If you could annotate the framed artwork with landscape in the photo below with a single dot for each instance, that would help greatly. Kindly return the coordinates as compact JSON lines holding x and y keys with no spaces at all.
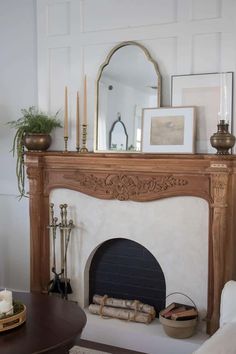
{"x":168,"y":130}
{"x":211,"y":94}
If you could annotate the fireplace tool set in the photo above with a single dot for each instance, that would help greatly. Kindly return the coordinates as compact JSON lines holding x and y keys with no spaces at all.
{"x":60,"y":282}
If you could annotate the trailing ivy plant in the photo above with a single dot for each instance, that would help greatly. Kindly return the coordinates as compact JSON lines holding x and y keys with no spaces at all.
{"x":33,"y":121}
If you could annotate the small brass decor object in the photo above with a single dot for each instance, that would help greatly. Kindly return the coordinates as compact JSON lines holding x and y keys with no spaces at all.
{"x":84,"y":138}
{"x":222,"y":140}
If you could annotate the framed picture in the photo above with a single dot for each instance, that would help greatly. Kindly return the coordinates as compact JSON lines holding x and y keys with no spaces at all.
{"x":211,"y":94}
{"x":168,"y":130}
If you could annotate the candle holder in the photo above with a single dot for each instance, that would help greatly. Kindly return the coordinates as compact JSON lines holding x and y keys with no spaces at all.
{"x":84,"y":138}
{"x":65,"y":143}
{"x":222,"y":140}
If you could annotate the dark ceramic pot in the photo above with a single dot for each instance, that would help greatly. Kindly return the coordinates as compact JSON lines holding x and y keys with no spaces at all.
{"x":38,"y":142}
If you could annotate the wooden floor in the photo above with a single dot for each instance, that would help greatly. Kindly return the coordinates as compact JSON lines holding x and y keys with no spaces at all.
{"x":105,"y":348}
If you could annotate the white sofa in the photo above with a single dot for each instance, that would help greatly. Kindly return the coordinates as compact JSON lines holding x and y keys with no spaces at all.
{"x":224,"y":340}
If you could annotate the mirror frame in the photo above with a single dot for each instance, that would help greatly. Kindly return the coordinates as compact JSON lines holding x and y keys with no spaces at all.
{"x":106,"y":62}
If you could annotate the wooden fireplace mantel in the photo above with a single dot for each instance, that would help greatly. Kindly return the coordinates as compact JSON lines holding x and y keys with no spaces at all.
{"x":138,"y":177}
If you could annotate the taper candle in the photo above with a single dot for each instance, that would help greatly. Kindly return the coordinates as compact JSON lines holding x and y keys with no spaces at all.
{"x":66,"y":114}
{"x":77,"y":121}
{"x":85,"y":100}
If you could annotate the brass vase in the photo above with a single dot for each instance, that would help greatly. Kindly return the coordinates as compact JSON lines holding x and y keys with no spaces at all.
{"x":37,"y":142}
{"x":222,"y":140}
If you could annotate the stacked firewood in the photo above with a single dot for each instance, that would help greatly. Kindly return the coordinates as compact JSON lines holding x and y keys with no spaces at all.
{"x":179,"y":312}
{"x":130,"y":310}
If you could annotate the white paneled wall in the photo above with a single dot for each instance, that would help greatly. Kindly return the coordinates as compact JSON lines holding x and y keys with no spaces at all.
{"x":18,"y":89}
{"x":75,"y":36}
{"x":183,"y":36}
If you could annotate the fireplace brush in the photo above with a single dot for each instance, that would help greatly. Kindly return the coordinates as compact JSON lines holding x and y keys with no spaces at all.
{"x":65,"y":231}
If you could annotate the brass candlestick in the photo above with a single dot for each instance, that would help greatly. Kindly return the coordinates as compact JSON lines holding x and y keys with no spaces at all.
{"x":65,"y":143}
{"x":222,"y":140}
{"x":84,"y":138}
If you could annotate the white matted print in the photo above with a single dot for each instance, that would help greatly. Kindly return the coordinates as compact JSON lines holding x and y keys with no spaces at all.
{"x":211,"y":94}
{"x":168,"y":130}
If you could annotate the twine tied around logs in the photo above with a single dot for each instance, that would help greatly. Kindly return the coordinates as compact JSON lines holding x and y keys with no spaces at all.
{"x":103,"y":303}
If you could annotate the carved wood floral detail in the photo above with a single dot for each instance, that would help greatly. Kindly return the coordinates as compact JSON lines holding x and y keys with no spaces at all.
{"x":219,"y":188}
{"x":125,"y":187}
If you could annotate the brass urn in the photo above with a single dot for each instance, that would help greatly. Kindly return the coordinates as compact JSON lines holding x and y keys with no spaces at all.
{"x":37,"y":142}
{"x":222,"y":140}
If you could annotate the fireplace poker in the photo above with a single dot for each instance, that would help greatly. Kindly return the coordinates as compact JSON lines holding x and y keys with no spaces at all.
{"x":65,"y":230}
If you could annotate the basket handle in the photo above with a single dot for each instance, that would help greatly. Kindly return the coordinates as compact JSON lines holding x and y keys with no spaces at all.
{"x":178,"y":293}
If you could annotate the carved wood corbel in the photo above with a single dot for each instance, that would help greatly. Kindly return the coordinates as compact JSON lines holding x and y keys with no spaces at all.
{"x":219,"y":189}
{"x":39,"y":240}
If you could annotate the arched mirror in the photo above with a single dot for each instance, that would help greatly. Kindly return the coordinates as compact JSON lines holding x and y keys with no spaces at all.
{"x":128,"y":81}
{"x":118,"y":137}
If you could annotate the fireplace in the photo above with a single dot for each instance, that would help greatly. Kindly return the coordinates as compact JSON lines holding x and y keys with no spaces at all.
{"x":129,"y":178}
{"x":159,"y":229}
{"x":124,"y":269}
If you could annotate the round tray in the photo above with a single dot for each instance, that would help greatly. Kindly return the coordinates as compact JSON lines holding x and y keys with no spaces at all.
{"x":15,"y":320}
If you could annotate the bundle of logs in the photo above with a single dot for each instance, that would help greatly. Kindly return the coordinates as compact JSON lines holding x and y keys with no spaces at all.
{"x":129,"y":310}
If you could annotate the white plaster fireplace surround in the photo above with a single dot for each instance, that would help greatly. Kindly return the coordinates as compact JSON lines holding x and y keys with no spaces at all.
{"x":174,"y":230}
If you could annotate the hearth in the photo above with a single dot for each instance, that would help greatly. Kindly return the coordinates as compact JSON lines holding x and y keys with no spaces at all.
{"x":124,"y":269}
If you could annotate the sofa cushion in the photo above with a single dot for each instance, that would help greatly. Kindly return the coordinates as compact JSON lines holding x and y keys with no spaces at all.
{"x":228,"y":303}
{"x":222,"y":342}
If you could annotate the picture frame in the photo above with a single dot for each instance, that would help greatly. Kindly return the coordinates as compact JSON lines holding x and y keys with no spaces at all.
{"x":168,"y":130}
{"x":212,"y":95}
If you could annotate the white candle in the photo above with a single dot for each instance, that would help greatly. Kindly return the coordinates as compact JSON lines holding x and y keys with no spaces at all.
{"x":6,"y":295}
{"x":66,"y":114}
{"x":5,"y":307}
{"x":77,"y":121}
{"x":85,"y":100}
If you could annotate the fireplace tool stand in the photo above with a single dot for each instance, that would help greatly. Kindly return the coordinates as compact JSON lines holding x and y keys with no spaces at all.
{"x":60,"y":283}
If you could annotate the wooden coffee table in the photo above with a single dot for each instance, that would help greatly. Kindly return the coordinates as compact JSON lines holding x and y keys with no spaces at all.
{"x":52,"y":326}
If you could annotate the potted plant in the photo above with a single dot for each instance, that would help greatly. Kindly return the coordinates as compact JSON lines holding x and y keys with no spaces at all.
{"x":33,"y":132}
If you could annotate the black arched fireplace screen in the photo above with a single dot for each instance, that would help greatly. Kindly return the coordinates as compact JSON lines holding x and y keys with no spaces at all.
{"x":124,"y":269}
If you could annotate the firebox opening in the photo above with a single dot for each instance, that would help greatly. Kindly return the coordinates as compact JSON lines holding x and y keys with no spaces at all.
{"x":124,"y":269}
